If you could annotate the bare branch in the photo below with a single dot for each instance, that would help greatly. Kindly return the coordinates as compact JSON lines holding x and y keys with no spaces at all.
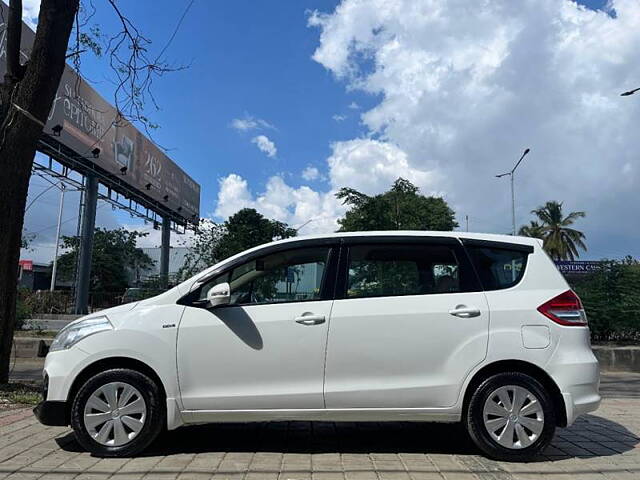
{"x":77,"y":52}
{"x":135,"y":71}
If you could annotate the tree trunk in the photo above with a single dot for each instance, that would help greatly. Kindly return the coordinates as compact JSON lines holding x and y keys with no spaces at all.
{"x":26,"y":102}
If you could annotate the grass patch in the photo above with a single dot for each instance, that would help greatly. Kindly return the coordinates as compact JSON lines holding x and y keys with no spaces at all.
{"x":19,"y":394}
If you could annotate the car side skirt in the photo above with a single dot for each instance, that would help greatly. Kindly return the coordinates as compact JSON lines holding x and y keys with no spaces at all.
{"x":330,"y":415}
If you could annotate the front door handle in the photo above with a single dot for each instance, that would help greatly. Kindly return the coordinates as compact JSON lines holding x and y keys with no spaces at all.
{"x":310,"y":319}
{"x":462,"y":311}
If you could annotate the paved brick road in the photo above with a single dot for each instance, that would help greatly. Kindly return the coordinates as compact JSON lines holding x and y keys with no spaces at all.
{"x":604,"y":446}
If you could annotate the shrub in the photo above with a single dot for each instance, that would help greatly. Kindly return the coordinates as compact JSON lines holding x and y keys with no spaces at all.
{"x":23,"y":308}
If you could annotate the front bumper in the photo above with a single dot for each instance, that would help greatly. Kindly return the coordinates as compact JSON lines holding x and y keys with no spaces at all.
{"x":52,"y":413}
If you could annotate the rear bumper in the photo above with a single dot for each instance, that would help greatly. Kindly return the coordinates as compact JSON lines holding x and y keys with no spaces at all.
{"x":580,"y":405}
{"x":579,"y":385}
{"x":575,"y":370}
{"x":52,"y":413}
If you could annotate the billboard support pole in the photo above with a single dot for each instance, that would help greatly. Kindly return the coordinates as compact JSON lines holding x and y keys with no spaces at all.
{"x":83,"y":279}
{"x":164,"y":251}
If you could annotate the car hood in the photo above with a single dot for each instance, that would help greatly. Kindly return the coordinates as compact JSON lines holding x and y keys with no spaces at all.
{"x":113,"y":313}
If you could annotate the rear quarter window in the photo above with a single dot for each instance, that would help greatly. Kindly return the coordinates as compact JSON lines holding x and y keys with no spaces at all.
{"x":498,"y":268}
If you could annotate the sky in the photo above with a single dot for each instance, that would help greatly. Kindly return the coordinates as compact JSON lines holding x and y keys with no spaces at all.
{"x":285,"y":102}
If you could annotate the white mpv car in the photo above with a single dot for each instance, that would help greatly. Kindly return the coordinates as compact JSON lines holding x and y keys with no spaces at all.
{"x":375,"y":326}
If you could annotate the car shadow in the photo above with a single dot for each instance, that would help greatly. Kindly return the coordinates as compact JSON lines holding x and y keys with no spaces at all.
{"x":241,"y":324}
{"x":379,"y":437}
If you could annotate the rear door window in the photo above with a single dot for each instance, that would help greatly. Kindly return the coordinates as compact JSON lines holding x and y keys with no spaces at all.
{"x":498,"y":268}
{"x":394,"y":270}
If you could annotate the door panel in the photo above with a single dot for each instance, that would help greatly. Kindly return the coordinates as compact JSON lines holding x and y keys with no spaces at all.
{"x":389,"y":347}
{"x":402,"y":352}
{"x":252,"y":357}
{"x":266,"y":349}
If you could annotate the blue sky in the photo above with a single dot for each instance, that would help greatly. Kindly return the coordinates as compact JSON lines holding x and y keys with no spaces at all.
{"x":247,"y":58}
{"x":255,"y":60}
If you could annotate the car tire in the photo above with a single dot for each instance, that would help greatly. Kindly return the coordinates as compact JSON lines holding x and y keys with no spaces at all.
{"x":118,"y":413}
{"x":511,"y":417}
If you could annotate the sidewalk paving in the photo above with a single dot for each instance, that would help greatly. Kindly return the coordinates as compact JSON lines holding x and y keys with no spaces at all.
{"x":604,"y":445}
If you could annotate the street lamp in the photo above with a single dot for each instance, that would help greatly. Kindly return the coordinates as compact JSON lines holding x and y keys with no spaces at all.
{"x":630,"y":92}
{"x":513,"y":196}
{"x":54,"y":268}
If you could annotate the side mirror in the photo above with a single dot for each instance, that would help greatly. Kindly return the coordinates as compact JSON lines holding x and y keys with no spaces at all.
{"x":219,"y":295}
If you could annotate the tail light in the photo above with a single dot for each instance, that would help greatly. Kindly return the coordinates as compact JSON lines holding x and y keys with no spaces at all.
{"x":565,"y":309}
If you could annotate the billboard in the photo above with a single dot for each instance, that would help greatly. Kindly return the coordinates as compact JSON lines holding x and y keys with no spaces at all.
{"x":89,"y":122}
{"x":578,"y":267}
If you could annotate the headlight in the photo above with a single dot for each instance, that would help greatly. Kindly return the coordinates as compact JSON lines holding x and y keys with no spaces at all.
{"x":72,"y":334}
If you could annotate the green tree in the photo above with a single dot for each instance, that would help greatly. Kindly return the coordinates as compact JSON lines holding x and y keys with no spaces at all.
{"x":611,"y":300}
{"x":560,"y":241}
{"x":114,"y":255}
{"x":203,"y":248}
{"x":400,"y":208}
{"x":534,"y":230}
{"x":245,"y":229}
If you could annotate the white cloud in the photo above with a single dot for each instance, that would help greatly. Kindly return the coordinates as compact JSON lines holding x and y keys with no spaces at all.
{"x":233,"y":195}
{"x":294,"y":206}
{"x":465,"y":86}
{"x":265,"y":145}
{"x":310,"y":173}
{"x":371,"y":166}
{"x":339,"y":118}
{"x":248,"y":122}
{"x":382,"y":162}
{"x":354,"y":106}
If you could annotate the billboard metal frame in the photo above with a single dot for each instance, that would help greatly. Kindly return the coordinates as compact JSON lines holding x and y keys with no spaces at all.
{"x":116,"y":189}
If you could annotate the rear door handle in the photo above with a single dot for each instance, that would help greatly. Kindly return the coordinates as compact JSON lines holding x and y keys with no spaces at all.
{"x":310,"y":319}
{"x":462,"y":311}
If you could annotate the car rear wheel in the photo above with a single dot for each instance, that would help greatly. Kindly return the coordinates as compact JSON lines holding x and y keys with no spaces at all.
{"x":511,"y":417}
{"x":118,"y":412}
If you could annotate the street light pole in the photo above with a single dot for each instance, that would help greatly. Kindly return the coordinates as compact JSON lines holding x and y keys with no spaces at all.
{"x":55,"y":255}
{"x":513,"y":194}
{"x":513,"y":207}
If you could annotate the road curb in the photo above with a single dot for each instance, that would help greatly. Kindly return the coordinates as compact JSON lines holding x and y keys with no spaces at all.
{"x":618,"y":358}
{"x":27,"y":347}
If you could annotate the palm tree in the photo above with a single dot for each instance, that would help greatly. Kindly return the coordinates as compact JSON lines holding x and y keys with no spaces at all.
{"x":534,"y":229}
{"x":559,"y":240}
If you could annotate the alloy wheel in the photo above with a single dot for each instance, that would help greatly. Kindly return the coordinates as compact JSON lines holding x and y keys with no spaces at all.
{"x":115,"y":414}
{"x":513,"y":417}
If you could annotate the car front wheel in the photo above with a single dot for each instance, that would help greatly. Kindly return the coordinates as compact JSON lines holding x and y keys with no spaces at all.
{"x":118,"y":412}
{"x":511,"y":417}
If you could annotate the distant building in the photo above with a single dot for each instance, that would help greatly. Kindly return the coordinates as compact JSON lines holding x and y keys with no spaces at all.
{"x":37,"y":276}
{"x":34,"y":276}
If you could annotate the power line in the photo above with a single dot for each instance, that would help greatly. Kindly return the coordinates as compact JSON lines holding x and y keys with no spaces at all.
{"x":175,"y":30}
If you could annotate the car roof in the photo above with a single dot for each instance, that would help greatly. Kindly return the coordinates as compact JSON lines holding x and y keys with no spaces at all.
{"x":417,"y":233}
